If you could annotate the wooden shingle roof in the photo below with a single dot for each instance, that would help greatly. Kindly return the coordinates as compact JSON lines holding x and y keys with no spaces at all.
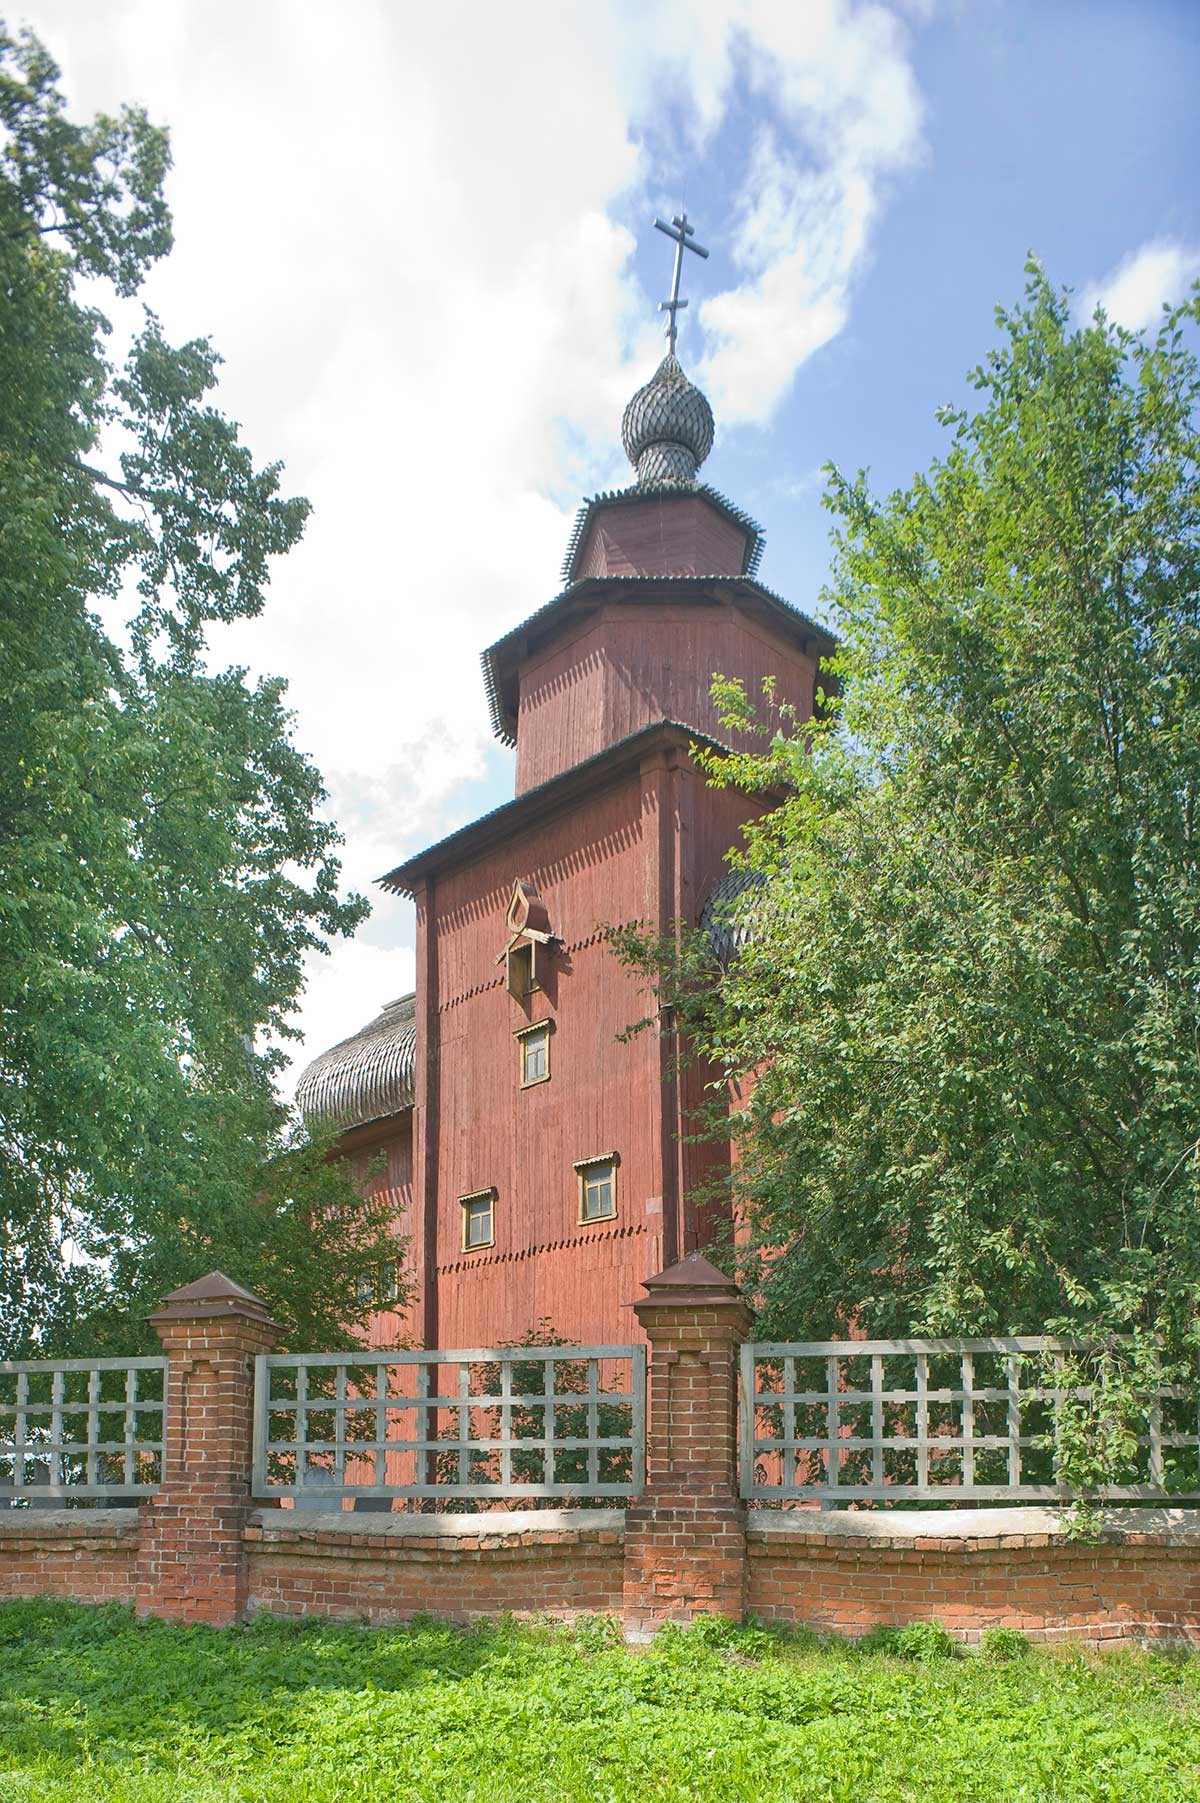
{"x":368,"y":1076}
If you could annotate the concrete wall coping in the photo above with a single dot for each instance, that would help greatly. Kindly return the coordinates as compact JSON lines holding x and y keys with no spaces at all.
{"x":902,"y":1527}
{"x":1174,"y":1527}
{"x":506,"y":1523}
{"x":25,"y":1524}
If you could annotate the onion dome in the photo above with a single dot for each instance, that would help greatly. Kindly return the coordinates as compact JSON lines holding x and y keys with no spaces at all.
{"x":667,"y":430}
{"x":727,"y":916}
{"x":368,"y":1076}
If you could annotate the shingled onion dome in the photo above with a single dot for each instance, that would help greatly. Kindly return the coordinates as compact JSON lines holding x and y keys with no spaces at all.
{"x":667,"y":430}
{"x":368,"y":1076}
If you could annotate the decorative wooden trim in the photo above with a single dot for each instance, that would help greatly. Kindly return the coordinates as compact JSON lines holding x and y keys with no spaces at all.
{"x":607,"y":1230}
{"x":488,"y":1195}
{"x":613,"y":1158}
{"x":582,"y":1167}
{"x":521,"y":1034}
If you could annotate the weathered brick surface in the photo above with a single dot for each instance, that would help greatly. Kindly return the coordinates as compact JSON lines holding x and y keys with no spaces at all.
{"x":390,"y":1575}
{"x":87,"y":1555}
{"x":685,"y":1536}
{"x":1129,"y":1586}
{"x":199,"y":1551}
{"x":191,"y":1565}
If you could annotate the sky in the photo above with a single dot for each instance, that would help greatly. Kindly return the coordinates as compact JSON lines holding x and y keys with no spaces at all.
{"x":421,"y":238}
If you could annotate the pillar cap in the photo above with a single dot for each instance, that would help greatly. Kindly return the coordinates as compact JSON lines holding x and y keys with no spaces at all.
{"x":692,"y":1281}
{"x":215,"y":1294}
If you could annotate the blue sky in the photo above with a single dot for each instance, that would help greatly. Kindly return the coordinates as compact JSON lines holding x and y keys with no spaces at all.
{"x":1069,"y":128}
{"x":422,"y":241}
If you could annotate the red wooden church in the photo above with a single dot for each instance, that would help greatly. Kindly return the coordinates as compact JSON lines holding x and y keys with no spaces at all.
{"x":538,"y":1163}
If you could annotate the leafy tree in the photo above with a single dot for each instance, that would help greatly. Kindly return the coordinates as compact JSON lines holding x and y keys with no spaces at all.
{"x":163,"y":870}
{"x":971,"y":1000}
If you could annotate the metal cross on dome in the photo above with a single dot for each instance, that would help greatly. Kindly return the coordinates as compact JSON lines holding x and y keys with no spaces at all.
{"x":683,"y":235}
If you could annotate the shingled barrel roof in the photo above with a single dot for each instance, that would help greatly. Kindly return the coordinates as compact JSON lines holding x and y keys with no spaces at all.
{"x":368,"y":1076}
{"x":725,"y":917}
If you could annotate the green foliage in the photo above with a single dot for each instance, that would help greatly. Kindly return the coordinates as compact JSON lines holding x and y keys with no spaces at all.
{"x":1001,"y":1645}
{"x":596,"y":1633}
{"x":750,"y":1639}
{"x":163,"y":866}
{"x":922,"y":1640}
{"x":95,"y":1708}
{"x":972,"y":1000}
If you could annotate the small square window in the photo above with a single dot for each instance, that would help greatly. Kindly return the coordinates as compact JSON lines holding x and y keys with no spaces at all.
{"x":598,"y":1188}
{"x":535,"y":1054}
{"x":478,"y":1222}
{"x":380,"y":1286}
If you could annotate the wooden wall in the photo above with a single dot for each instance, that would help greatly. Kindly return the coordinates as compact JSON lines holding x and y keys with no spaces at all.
{"x":669,"y":535}
{"x":646,"y":846}
{"x":591,"y":866}
{"x":382,"y":1158}
{"x":630,"y":664}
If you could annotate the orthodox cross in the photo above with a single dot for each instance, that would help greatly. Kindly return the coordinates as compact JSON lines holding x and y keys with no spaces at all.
{"x":684,"y":235}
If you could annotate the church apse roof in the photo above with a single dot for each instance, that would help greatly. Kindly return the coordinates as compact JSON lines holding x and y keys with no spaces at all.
{"x":368,"y":1076}
{"x":727,"y":917}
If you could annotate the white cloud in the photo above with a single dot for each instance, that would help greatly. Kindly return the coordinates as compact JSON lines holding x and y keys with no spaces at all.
{"x":348,"y":989}
{"x":1133,"y":293}
{"x":843,"y":117}
{"x":408,"y":231}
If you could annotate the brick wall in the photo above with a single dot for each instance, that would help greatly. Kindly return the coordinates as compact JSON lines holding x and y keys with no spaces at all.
{"x":199,"y":1550}
{"x":849,"y":1574}
{"x":382,"y":1569}
{"x":992,"y":1568}
{"x":87,"y":1555}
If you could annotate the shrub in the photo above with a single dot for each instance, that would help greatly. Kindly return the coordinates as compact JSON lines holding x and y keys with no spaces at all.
{"x":923,"y":1640}
{"x":1001,"y":1644}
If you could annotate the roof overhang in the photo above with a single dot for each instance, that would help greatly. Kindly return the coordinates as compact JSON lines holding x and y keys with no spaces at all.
{"x":649,"y":491}
{"x":559,"y":794}
{"x":502,"y":661}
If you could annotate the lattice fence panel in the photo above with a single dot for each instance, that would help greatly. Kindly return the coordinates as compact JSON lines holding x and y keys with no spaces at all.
{"x":81,"y":1429}
{"x":501,"y":1423}
{"x":937,"y":1420}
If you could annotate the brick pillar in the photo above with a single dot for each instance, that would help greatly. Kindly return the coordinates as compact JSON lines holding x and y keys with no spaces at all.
{"x":191,"y":1561}
{"x":685,"y":1536}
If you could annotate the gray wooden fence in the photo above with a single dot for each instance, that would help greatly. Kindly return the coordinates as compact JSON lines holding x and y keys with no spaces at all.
{"x":499,"y":1422}
{"x":887,"y":1420}
{"x":81,"y":1429}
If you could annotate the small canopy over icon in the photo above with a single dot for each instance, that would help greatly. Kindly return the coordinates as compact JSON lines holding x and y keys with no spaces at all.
{"x":529,"y":941}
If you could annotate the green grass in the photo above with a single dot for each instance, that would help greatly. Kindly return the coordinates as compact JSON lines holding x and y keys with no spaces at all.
{"x":97,"y":1709}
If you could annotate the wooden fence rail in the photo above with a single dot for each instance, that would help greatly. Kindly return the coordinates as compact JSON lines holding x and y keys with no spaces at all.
{"x":81,"y":1429}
